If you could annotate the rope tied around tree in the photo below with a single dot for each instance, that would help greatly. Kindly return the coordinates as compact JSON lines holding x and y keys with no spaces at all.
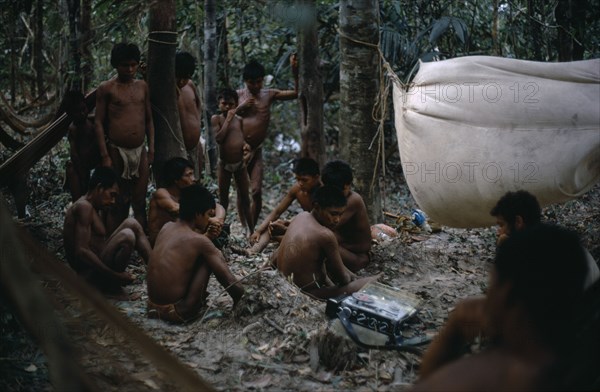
{"x":161,"y":41}
{"x":379,"y":112}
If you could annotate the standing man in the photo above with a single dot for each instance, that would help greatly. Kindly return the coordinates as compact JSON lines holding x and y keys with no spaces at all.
{"x":255,"y":109}
{"x":190,"y":109}
{"x":123,"y":122}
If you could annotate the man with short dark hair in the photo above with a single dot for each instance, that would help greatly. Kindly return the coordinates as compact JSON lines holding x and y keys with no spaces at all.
{"x":309,"y":245}
{"x":99,"y":258}
{"x":183,"y":260}
{"x":528,"y":316}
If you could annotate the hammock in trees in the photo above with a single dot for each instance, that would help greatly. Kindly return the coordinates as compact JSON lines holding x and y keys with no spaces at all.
{"x":471,"y":129}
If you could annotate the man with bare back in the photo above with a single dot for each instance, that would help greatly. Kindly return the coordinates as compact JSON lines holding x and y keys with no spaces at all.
{"x":183,"y":260}
{"x":309,"y":244}
{"x":101,"y":258}
{"x":178,"y":173}
{"x":228,"y":130}
{"x":353,"y":231}
{"x":255,"y":109}
{"x":123,"y":121}
{"x":190,"y":110}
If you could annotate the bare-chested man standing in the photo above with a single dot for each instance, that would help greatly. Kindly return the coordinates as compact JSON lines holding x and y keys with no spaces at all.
{"x":97,"y":256}
{"x":183,"y":260}
{"x":190,"y":110}
{"x":255,"y":108}
{"x":309,"y":244}
{"x":123,"y":120}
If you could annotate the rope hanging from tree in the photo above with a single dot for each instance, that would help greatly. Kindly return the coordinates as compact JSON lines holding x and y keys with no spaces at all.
{"x":379,"y":108}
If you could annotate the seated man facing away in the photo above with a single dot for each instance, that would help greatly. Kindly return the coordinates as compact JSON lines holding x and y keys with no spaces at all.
{"x":309,"y":244}
{"x":306,"y":171}
{"x":528,"y":314}
{"x":518,"y":210}
{"x":353,"y":231}
{"x":183,"y":260}
{"x":178,"y":173}
{"x":100,"y":259}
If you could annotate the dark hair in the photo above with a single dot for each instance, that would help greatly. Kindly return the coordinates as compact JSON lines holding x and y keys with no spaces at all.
{"x":306,"y":167}
{"x":327,"y":196}
{"x":103,"y":176}
{"x":227,"y":94}
{"x":174,"y":169}
{"x":520,"y":203}
{"x":253,"y":70}
{"x":185,"y":65}
{"x":195,"y":199}
{"x":124,"y":52}
{"x":337,"y":173}
{"x":546,"y":267}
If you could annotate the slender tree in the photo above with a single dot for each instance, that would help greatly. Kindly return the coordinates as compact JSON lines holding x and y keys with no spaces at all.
{"x":87,"y":60}
{"x":38,"y":44}
{"x":74,"y":44}
{"x":168,"y":140}
{"x":359,"y":35}
{"x":210,"y":79}
{"x":311,"y":86}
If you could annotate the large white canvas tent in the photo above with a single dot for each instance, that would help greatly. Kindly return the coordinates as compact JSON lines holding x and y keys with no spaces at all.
{"x":472,"y":128}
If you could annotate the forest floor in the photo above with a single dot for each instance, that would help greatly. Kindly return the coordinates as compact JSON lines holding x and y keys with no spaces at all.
{"x":272,"y":340}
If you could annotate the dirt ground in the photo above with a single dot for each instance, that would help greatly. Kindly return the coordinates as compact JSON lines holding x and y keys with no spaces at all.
{"x":274,"y":340}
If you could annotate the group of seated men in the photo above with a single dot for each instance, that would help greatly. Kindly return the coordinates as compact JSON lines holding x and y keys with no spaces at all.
{"x":333,"y":235}
{"x":540,"y":271}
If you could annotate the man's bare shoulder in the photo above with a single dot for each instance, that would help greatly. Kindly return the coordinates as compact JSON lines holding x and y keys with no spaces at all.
{"x":161,"y":193}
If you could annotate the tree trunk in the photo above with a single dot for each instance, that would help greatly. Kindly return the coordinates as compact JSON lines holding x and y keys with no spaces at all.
{"x":359,"y":33}
{"x":38,"y":44}
{"x":168,"y":140}
{"x":210,"y":79}
{"x":311,"y":89}
{"x":74,"y":39}
{"x":86,"y":40}
{"x":223,"y":52}
{"x":570,"y":16}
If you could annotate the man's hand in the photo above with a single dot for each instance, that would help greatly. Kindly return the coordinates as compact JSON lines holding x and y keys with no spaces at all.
{"x":254,"y":237}
{"x":246,"y":153}
{"x":150,"y":156}
{"x":247,"y":104}
{"x":214,"y":228}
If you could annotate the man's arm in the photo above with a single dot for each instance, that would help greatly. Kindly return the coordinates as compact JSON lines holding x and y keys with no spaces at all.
{"x":215,"y":224}
{"x":283,"y":205}
{"x":100,"y":117}
{"x":165,"y":201}
{"x":73,"y":147}
{"x":285,"y":95}
{"x":149,"y":124}
{"x":464,"y":324}
{"x":335,"y":266}
{"x":221,"y":129}
{"x":83,"y":215}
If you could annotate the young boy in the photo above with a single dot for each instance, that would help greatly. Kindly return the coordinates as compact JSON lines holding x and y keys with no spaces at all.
{"x":228,"y":131}
{"x":83,"y":146}
{"x":164,"y":205}
{"x":124,"y":117}
{"x":309,"y":244}
{"x":183,"y":260}
{"x":255,"y":108}
{"x":306,"y":171}
{"x":190,"y":110}
{"x":99,"y":257}
{"x":354,"y":230}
